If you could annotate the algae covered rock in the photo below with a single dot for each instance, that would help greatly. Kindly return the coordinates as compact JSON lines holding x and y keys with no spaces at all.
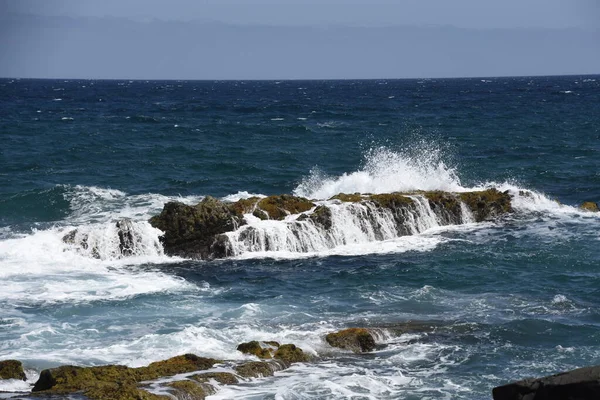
{"x":116,"y":381}
{"x":359,"y":340}
{"x":487,"y":204}
{"x":193,"y":231}
{"x":175,"y":365}
{"x":12,"y":369}
{"x":348,"y":198}
{"x":279,"y":207}
{"x":289,"y":353}
{"x":224,"y":378}
{"x":391,"y":200}
{"x":254,"y":369}
{"x":590,"y":206}
{"x":254,"y":347}
{"x":190,"y":390}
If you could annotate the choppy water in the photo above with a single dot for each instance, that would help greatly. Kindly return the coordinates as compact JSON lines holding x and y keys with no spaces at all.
{"x":514,"y":298}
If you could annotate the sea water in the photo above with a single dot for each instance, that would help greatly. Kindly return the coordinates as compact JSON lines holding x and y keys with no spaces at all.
{"x":511,"y":298}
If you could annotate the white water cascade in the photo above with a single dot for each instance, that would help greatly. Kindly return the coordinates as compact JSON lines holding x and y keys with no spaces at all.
{"x":345,"y":224}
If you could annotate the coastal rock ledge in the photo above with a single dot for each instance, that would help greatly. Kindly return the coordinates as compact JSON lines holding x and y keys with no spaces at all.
{"x":217,"y":229}
{"x":578,"y":384}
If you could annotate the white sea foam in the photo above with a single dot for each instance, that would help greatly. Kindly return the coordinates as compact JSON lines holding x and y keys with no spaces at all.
{"x":240,"y":196}
{"x":41,"y":268}
{"x":94,"y":204}
{"x":387,"y":171}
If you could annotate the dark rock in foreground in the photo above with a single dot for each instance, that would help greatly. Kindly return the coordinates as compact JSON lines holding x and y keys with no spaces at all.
{"x":579,"y":384}
{"x":12,"y":369}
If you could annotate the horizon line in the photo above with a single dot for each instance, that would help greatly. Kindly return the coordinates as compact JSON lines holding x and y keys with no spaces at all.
{"x":302,"y":79}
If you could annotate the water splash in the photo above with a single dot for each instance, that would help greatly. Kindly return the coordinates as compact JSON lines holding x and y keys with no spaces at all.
{"x":420,"y":167}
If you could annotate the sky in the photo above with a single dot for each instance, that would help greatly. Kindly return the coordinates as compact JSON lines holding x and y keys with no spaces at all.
{"x":292,"y":39}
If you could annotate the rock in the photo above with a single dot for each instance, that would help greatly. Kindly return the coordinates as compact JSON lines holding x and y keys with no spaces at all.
{"x":254,"y":369}
{"x":116,"y":381}
{"x":289,"y":353}
{"x":279,"y":207}
{"x":590,"y":206}
{"x":321,"y":216}
{"x":224,"y":378}
{"x":245,"y":206}
{"x":175,"y":365}
{"x":578,"y":384}
{"x":446,"y":205}
{"x":348,"y":198}
{"x":127,"y":239}
{"x":256,"y":349}
{"x":12,"y":369}
{"x":359,"y":340}
{"x":193,"y":231}
{"x":391,"y":200}
{"x":487,"y":204}
{"x":200,"y":231}
{"x":190,"y":390}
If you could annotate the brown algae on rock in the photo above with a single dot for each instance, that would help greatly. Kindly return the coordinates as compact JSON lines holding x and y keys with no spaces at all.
{"x":359,"y":340}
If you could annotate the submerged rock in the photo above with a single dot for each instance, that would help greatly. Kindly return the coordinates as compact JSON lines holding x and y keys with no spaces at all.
{"x":190,"y":390}
{"x":258,"y":369}
{"x":578,"y":384}
{"x":224,"y":378}
{"x":590,"y":206}
{"x":359,"y":340}
{"x":12,"y":369}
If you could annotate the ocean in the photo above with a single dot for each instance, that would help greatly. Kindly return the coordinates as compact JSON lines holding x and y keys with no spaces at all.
{"x":510,"y":298}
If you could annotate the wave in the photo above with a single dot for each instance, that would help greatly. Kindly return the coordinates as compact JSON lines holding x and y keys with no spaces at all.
{"x":420,"y":167}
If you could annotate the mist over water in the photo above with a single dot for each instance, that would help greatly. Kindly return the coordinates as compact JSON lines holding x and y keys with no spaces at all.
{"x":510,"y":298}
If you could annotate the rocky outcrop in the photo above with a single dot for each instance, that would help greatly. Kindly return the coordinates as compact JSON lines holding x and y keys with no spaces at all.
{"x":579,"y":384}
{"x":590,"y":206}
{"x":487,"y":204}
{"x":201,"y":231}
{"x":116,"y":381}
{"x":258,"y":349}
{"x":12,"y":369}
{"x":193,"y":231}
{"x":288,"y":353}
{"x":195,"y":377}
{"x":359,"y":340}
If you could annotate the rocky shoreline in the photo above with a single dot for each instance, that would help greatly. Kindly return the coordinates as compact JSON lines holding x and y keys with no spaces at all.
{"x":191,"y":377}
{"x":184,"y":377}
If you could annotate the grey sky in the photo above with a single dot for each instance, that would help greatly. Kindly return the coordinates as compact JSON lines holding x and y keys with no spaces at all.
{"x":459,"y":13}
{"x":226,"y":39}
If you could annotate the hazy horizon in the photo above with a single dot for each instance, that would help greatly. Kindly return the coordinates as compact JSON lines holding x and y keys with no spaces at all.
{"x":254,"y":40}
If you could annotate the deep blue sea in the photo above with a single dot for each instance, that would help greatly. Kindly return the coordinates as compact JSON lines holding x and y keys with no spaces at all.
{"x":512,"y":298}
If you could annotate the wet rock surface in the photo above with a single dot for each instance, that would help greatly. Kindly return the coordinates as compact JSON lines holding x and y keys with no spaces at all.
{"x":578,"y":384}
{"x":12,"y":369}
{"x":359,"y":340}
{"x":590,"y":206}
{"x":200,"y":231}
